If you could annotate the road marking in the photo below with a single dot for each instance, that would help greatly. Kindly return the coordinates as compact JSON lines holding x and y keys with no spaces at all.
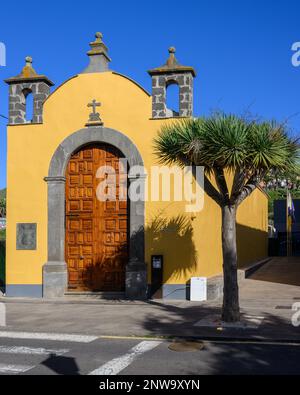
{"x":115,"y":366}
{"x":148,"y":338}
{"x":204,"y":339}
{"x":31,"y":351}
{"x":14,"y":369}
{"x":48,"y":336}
{"x":254,"y":342}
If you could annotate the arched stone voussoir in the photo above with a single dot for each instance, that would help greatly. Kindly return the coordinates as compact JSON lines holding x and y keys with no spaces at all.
{"x":90,"y":135}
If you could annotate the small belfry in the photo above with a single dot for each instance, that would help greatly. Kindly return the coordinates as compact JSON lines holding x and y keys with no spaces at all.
{"x":169,"y":74}
{"x":20,"y":87}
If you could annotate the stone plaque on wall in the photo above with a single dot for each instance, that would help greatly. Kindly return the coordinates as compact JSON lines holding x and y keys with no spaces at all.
{"x":26,"y":236}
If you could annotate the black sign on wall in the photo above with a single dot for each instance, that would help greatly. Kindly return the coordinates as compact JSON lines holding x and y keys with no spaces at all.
{"x":157,"y":270}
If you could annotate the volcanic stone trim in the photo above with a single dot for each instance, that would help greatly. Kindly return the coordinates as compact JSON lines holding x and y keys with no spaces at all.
{"x":17,"y":101}
{"x":160,"y":83}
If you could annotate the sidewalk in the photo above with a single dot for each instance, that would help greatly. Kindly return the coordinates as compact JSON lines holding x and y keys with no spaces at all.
{"x":270,"y":302}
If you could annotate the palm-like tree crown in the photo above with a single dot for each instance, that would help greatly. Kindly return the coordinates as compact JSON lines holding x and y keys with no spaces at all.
{"x":222,"y":142}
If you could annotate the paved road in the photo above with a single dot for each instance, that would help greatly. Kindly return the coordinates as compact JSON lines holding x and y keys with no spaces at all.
{"x":50,"y":354}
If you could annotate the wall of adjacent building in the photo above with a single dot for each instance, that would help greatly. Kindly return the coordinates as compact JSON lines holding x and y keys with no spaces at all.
{"x":252,"y":229}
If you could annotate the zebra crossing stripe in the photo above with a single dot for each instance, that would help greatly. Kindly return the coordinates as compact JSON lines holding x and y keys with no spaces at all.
{"x":31,"y":351}
{"x":14,"y":369}
{"x":48,"y":336}
{"x":116,"y":365}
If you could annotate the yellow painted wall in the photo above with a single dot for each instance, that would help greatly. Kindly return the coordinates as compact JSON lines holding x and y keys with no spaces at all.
{"x":191,"y":247}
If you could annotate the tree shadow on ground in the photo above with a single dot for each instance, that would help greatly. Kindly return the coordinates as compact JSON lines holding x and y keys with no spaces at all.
{"x":247,"y":359}
{"x":181,"y":319}
{"x":230,"y":351}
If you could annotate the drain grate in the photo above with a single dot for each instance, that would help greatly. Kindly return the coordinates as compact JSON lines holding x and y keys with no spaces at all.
{"x":186,"y":346}
{"x":283,"y":308}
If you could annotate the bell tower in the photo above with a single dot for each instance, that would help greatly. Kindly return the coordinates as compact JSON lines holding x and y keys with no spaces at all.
{"x":20,"y":87}
{"x":169,"y":74}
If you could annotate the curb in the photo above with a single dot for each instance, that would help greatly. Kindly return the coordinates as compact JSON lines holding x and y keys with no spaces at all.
{"x":214,"y":339}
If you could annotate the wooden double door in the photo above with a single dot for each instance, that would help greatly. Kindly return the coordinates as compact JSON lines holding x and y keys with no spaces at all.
{"x":96,"y":231}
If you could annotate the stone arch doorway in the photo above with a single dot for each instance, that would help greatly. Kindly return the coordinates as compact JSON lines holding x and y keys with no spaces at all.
{"x":55,"y":273}
{"x":96,"y":240}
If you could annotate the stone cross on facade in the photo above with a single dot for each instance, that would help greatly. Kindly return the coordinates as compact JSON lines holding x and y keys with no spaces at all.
{"x":94,"y":118}
{"x":94,"y":104}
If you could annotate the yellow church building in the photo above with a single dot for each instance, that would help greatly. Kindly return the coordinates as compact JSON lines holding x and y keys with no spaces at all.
{"x":61,"y":239}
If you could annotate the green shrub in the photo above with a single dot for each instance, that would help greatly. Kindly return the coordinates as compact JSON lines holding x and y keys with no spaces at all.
{"x":2,"y":234}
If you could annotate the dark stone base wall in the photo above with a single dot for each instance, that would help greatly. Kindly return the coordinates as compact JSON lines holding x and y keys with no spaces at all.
{"x":24,"y":291}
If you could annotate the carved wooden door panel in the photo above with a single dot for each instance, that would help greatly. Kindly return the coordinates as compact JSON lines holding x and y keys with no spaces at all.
{"x":96,"y":231}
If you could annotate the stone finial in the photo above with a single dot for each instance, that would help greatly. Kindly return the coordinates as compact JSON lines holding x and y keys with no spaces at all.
{"x":172,"y":61}
{"x":28,"y":73}
{"x":98,"y":47}
{"x":28,"y":60}
{"x":98,"y":55}
{"x":172,"y":65}
{"x":98,"y":37}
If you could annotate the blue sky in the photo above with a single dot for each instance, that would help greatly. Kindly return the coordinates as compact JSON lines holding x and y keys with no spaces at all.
{"x":240,"y":49}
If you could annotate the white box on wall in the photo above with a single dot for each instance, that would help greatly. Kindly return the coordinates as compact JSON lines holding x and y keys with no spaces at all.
{"x":198,"y":289}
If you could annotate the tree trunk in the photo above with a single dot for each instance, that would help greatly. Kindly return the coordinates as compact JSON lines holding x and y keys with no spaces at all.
{"x":231,"y":308}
